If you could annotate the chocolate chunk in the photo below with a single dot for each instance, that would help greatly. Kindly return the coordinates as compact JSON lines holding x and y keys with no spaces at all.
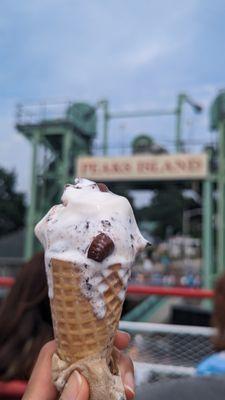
{"x":106,"y":223}
{"x":88,"y":285}
{"x":101,"y":247}
{"x":102,"y":187}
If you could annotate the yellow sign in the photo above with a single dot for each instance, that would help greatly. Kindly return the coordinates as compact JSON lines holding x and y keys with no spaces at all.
{"x":143,"y":167}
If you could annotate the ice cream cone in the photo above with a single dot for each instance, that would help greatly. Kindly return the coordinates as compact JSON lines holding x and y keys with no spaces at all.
{"x":81,"y":337}
{"x":90,"y":240}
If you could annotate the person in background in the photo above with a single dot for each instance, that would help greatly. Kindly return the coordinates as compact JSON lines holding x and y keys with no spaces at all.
{"x":215,"y":363}
{"x":25,"y":321}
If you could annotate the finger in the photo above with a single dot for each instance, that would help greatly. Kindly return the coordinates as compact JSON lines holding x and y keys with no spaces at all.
{"x":40,"y":385}
{"x":127,"y":374}
{"x":76,"y":388}
{"x":122,"y":340}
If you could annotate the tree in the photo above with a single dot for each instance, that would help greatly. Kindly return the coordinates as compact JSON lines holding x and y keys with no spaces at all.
{"x":144,"y":143}
{"x":166,"y":209}
{"x":12,"y":203}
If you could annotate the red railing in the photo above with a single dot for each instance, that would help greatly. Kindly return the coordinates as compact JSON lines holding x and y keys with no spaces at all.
{"x":6,"y":281}
{"x":12,"y":389}
{"x":171,"y":291}
{"x":147,"y":290}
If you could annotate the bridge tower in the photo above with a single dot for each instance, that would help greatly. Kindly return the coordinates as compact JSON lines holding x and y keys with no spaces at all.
{"x":58,"y":133}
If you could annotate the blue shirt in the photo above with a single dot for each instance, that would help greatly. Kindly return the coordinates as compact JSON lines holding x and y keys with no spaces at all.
{"x":212,"y":365}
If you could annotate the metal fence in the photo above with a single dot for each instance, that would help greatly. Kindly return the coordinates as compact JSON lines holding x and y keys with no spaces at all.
{"x":163,"y":351}
{"x":159,"y":351}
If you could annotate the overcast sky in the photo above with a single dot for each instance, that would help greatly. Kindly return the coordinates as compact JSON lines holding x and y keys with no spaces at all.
{"x":138,"y":54}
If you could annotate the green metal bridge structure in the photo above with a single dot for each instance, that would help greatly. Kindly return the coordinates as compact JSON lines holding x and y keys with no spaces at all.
{"x":57,"y":135}
{"x":58,"y":138}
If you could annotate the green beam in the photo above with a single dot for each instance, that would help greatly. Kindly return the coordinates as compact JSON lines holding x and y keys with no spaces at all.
{"x":221,"y":202}
{"x":67,"y":141}
{"x":105,"y":106}
{"x":207,"y":234}
{"x":145,"y":113}
{"x":178,"y":132}
{"x":144,"y":311}
{"x":29,"y":242}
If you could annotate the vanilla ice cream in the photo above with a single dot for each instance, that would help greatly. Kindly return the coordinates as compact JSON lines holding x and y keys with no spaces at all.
{"x":77,"y":231}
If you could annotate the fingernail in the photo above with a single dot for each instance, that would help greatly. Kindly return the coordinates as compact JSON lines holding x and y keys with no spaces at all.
{"x":77,"y":383}
{"x":73,"y":387}
{"x":125,"y":333}
{"x":129,"y":383}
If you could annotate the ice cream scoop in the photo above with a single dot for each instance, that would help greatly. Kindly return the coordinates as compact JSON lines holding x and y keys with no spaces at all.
{"x":90,"y":242}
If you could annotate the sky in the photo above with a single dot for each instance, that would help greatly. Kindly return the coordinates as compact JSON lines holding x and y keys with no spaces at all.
{"x":139,"y":54}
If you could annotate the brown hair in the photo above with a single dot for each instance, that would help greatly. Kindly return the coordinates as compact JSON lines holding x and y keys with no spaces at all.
{"x":218,"y":317}
{"x":25,"y":321}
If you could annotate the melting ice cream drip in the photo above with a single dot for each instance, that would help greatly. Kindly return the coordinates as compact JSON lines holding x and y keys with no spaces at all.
{"x":68,"y":230}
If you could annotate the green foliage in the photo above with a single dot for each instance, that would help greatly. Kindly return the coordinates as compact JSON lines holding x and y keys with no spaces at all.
{"x":12,"y":204}
{"x":166,"y":209}
{"x":144,"y":143}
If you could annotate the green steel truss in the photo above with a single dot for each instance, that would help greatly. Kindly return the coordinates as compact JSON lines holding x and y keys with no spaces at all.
{"x":55,"y":145}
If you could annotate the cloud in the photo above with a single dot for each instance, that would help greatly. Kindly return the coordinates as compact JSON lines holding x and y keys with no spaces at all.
{"x":152,"y":52}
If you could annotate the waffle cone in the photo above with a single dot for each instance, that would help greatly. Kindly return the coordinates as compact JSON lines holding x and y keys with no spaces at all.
{"x":82,"y":339}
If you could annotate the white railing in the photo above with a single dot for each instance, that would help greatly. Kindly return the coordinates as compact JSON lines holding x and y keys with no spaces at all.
{"x":162,"y":351}
{"x":148,"y":327}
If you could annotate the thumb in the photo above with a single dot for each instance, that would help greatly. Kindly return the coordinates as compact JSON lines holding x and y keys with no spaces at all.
{"x":76,"y":388}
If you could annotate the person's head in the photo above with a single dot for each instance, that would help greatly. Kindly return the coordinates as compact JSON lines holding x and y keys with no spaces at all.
{"x":25,"y":321}
{"x":218,"y":318}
